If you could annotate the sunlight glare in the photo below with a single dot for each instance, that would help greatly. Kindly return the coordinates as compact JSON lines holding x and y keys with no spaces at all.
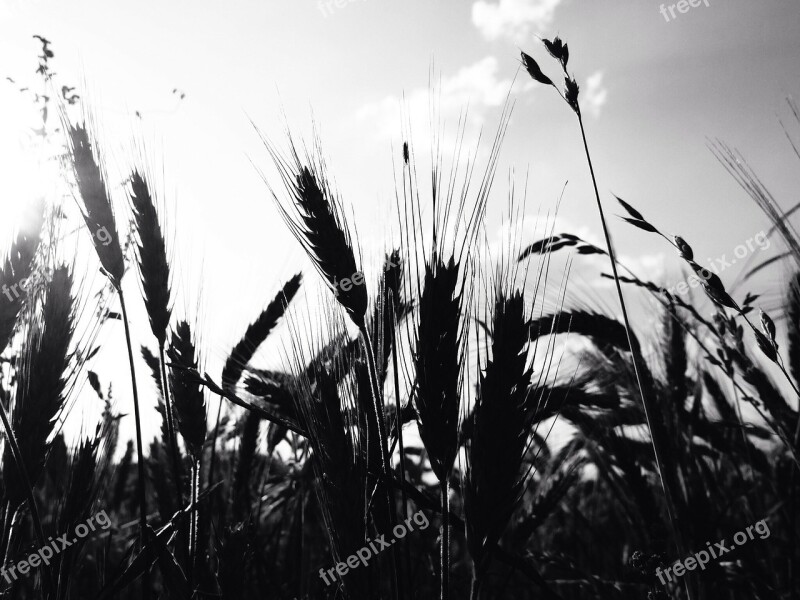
{"x":28,"y":169}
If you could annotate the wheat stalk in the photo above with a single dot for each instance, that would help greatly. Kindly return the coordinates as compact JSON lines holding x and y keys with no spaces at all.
{"x":316,"y":219}
{"x":154,"y":274}
{"x":190,"y":411}
{"x":98,"y":215}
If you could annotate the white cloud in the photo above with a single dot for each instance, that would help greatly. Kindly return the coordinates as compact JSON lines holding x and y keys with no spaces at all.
{"x":472,"y":91}
{"x":479,"y":82}
{"x":596,"y":93}
{"x":513,"y":19}
{"x":650,"y":266}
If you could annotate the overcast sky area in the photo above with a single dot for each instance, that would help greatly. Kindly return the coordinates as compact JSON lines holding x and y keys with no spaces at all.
{"x":655,"y":91}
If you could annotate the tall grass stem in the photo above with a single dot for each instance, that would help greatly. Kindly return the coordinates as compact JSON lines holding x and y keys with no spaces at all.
{"x":26,"y":482}
{"x":173,"y":438}
{"x":139,"y":453}
{"x":649,"y":411}
{"x":445,"y":553}
{"x":213,"y":460}
{"x":378,"y":407}
{"x":194,"y":520}
{"x":399,"y":417}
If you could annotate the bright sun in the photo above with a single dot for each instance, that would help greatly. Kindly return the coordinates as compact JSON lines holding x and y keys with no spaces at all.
{"x":25,"y":172}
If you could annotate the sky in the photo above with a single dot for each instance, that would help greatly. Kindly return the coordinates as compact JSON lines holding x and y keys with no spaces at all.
{"x":655,"y":91}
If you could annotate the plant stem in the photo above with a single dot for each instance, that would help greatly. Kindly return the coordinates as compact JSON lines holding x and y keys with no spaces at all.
{"x":173,"y":440}
{"x":193,"y":520}
{"x":649,"y":410}
{"x":399,"y":417}
{"x":4,"y":518}
{"x":376,"y":402}
{"x":26,"y":483}
{"x":378,"y":407}
{"x":475,"y":592}
{"x":139,"y":452}
{"x":214,"y":445}
{"x":796,"y":439}
{"x":12,"y":522}
{"x":445,"y":551}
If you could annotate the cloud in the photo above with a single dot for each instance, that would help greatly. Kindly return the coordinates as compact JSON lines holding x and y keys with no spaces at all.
{"x":513,"y":19}
{"x":596,"y":93}
{"x":473,"y":90}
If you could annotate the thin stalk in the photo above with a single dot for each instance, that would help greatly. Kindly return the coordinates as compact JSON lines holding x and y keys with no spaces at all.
{"x":649,"y":411}
{"x":478,"y":571}
{"x":780,"y":364}
{"x":475,"y":591}
{"x":26,"y":482}
{"x":8,"y":523}
{"x":4,"y":532}
{"x":399,"y":421}
{"x":376,"y":403}
{"x":778,"y":361}
{"x":797,"y":431}
{"x":793,"y":529}
{"x":445,"y":552}
{"x":12,"y":521}
{"x":378,"y":406}
{"x":139,"y":452}
{"x":792,"y":491}
{"x":193,"y":520}
{"x":173,"y":440}
{"x":214,"y":445}
{"x":264,"y":487}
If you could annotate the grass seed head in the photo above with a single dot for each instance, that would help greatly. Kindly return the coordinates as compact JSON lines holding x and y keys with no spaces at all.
{"x":43,"y":378}
{"x":316,"y":218}
{"x":153,"y":265}
{"x":96,"y":202}
{"x":18,"y":266}
{"x":500,"y":431}
{"x":257,"y":333}
{"x":534,"y":70}
{"x":438,"y":358}
{"x":187,"y":394}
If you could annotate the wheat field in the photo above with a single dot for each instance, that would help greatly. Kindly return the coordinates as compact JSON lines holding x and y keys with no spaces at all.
{"x":428,"y":433}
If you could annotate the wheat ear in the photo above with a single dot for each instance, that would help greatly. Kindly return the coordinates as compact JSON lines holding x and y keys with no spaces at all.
{"x":98,"y":214}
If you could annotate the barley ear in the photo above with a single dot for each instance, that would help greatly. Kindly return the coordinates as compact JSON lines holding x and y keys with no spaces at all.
{"x":98,"y":212}
{"x":315,"y":217}
{"x":152,"y":253}
{"x":188,"y":397}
